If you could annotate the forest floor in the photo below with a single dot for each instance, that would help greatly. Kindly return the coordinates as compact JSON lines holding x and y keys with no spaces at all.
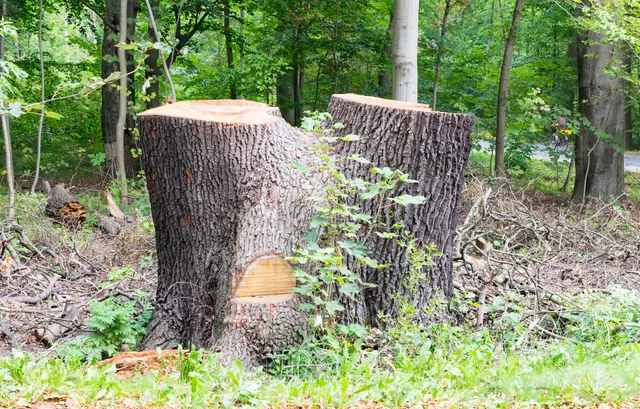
{"x":547,"y":313}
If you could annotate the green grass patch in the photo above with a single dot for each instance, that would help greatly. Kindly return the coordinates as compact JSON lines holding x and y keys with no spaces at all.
{"x":592,"y":359}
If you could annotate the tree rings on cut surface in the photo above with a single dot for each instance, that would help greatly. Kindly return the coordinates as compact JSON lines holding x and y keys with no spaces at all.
{"x":269,"y":275}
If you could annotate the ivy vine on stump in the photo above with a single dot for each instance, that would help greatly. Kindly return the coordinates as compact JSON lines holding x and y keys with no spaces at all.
{"x":227,"y":212}
{"x":433,"y":148}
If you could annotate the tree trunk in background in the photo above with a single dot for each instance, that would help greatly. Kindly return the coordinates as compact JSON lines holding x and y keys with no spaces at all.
{"x":432,"y":147}
{"x":628,"y":109}
{"x":443,"y":32}
{"x":6,"y":133}
{"x":405,"y":50}
{"x":225,"y":212}
{"x":599,"y":161}
{"x":503,"y":88}
{"x":298,"y":86}
{"x":229,"y":46}
{"x":383,"y":78}
{"x":284,"y":96}
{"x":122,"y":107}
{"x":152,"y":62}
{"x":42,"y":89}
{"x":110,"y":93}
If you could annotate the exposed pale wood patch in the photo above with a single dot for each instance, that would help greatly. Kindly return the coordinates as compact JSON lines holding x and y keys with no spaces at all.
{"x":222,"y":111}
{"x":390,"y":103}
{"x":266,"y":276}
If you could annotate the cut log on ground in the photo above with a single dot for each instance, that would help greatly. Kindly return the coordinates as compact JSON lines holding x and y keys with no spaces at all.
{"x":226,"y":212}
{"x":432,"y":147}
{"x":64,"y":208}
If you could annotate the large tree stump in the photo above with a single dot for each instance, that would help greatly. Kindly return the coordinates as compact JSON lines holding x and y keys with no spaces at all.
{"x":226,"y":212}
{"x":432,"y":147}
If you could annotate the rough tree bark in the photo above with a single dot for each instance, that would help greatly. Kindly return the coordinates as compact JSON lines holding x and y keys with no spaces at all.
{"x":405,"y":50}
{"x":502,"y":88}
{"x":432,"y":147}
{"x":599,"y":160}
{"x":224,"y":209}
{"x":226,"y":213}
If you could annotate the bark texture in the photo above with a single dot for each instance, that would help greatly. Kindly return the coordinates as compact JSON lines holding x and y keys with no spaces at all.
{"x":220,"y":197}
{"x":432,"y":147}
{"x":599,"y":160}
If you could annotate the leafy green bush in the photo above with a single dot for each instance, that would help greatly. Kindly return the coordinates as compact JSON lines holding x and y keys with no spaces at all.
{"x":114,"y":324}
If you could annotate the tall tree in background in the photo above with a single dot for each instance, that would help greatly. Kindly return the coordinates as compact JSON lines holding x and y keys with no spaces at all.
{"x":405,"y":50}
{"x":110,"y":93}
{"x":6,"y":133}
{"x":228,"y":42}
{"x":600,"y":145}
{"x":122,"y":104}
{"x":501,"y":116}
{"x":444,"y":26}
{"x":42,"y":90}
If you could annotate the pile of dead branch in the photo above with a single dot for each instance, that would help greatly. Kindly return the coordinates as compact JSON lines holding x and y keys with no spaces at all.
{"x":514,"y":243}
{"x":53,"y":267}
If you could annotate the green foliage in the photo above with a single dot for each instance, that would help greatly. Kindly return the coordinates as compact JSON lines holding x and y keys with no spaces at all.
{"x":114,"y":323}
{"x":590,"y":362}
{"x":325,"y":278}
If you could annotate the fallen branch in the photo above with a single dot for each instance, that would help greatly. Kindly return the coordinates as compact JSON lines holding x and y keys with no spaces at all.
{"x":33,"y":299}
{"x":9,"y":335}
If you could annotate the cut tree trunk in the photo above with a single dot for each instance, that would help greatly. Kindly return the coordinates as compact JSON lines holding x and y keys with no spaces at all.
{"x":432,"y":147}
{"x":226,"y":213}
{"x":64,"y":208}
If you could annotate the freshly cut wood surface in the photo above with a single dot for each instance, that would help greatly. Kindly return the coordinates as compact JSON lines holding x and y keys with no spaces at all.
{"x":266,"y":275}
{"x":389,"y":103}
{"x":222,"y":111}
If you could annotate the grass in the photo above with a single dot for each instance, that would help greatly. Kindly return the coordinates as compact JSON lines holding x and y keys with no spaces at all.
{"x":443,"y":364}
{"x":589,"y":360}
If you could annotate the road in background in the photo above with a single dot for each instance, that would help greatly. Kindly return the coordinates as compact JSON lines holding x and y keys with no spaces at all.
{"x":631,"y":160}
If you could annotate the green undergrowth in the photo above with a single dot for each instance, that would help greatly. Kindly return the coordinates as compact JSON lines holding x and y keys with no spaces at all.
{"x":546,"y":176}
{"x":593,"y":357}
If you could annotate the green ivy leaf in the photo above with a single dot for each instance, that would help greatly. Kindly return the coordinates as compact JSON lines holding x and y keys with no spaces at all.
{"x":351,"y":138}
{"x":405,"y":200}
{"x":333,"y":307}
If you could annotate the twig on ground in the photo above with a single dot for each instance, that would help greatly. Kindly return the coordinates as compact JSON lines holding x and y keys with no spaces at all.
{"x":33,"y":299}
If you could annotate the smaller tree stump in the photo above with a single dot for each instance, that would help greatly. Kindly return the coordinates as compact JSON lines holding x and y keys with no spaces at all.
{"x":64,"y":208}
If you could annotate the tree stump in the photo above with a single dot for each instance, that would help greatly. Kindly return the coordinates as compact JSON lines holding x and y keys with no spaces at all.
{"x":64,"y":208}
{"x":226,"y":212}
{"x":432,"y":147}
